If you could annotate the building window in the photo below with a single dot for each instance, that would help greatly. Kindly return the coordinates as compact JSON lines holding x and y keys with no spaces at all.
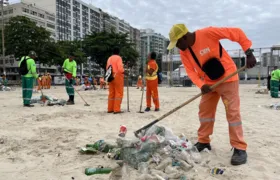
{"x":11,"y":11}
{"x":50,"y":26}
{"x":51,"y":18}
{"x":34,"y":13}
{"x":41,"y":15}
{"x":25,"y":10}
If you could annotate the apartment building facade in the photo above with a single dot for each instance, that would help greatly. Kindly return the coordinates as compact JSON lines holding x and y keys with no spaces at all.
{"x":152,"y":41}
{"x":74,"y":18}
{"x":42,"y":18}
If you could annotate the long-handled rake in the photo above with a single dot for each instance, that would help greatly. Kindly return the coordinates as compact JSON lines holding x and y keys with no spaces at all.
{"x":143,"y":129}
{"x":143,"y":89}
{"x":127,"y":80}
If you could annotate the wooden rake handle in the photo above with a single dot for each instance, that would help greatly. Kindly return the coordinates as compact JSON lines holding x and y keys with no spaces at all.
{"x":189,"y":101}
{"x":77,"y":91}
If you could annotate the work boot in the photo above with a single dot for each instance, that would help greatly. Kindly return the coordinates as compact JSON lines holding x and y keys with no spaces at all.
{"x":201,"y":146}
{"x":70,"y":103}
{"x":28,"y":105}
{"x":156,"y":109}
{"x":147,"y":109}
{"x":239,"y":157}
{"x":71,"y":100}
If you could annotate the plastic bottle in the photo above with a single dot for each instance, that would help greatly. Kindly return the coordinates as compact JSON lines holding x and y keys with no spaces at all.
{"x":88,"y":150}
{"x":91,"y":171}
{"x":195,"y":155}
{"x":96,"y":145}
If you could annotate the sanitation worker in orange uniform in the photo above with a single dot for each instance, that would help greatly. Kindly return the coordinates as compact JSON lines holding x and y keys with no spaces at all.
{"x":49,"y":81}
{"x":206,"y":62}
{"x":116,"y":86}
{"x":44,"y":81}
{"x":139,"y":82}
{"x":152,"y":83}
{"x":39,"y":80}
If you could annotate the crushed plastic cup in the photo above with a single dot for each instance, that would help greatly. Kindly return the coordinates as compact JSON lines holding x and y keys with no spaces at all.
{"x":167,"y":149}
{"x":156,"y":158}
{"x":182,"y":137}
{"x":123,"y":131}
{"x":172,"y":143}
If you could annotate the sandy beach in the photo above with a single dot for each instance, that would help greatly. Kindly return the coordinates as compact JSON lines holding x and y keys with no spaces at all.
{"x":43,"y":143}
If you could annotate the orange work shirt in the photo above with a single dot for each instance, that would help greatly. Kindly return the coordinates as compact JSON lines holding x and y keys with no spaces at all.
{"x":206,"y":46}
{"x":152,"y":64}
{"x":117,"y":64}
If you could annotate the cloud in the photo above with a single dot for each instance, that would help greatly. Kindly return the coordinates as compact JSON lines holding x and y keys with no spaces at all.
{"x":259,"y":19}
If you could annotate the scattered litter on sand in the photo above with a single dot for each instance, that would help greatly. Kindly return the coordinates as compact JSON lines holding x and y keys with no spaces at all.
{"x":275,"y":106}
{"x":50,"y":101}
{"x":5,"y":88}
{"x":262,"y":91}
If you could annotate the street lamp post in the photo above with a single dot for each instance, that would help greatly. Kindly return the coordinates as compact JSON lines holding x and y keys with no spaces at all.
{"x":143,"y":58}
{"x":3,"y":2}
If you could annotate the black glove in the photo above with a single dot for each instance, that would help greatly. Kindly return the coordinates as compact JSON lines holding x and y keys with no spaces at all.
{"x":205,"y":89}
{"x":251,"y":61}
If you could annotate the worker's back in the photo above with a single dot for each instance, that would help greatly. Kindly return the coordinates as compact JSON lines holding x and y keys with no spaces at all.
{"x":116,"y":62}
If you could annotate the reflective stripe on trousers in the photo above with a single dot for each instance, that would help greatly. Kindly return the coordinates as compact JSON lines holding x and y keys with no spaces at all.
{"x":115,"y":94}
{"x":27,"y":89}
{"x":229,"y":92}
{"x":152,"y":93}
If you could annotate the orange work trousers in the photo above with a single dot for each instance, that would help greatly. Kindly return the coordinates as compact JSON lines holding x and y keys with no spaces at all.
{"x":43,"y":84}
{"x":48,"y":84}
{"x":115,"y":93}
{"x":229,"y":92}
{"x":152,"y":92}
{"x":139,"y":83}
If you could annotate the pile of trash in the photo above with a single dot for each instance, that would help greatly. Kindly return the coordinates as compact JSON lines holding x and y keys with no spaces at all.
{"x":156,"y":154}
{"x":47,"y":100}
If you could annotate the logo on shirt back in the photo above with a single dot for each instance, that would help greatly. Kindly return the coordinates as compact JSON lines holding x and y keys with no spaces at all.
{"x":204,"y":51}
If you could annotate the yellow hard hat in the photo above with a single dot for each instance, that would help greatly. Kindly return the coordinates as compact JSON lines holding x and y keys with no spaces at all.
{"x":176,"y":32}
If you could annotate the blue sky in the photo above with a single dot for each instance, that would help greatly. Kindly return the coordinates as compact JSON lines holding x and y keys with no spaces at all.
{"x":259,"y":19}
